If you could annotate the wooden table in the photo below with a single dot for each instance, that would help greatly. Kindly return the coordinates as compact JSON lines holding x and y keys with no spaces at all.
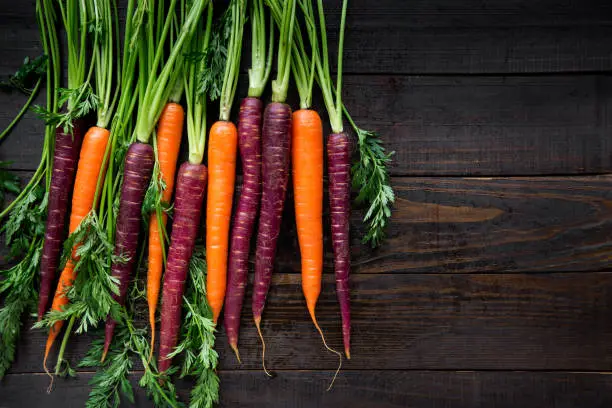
{"x":491,"y":289}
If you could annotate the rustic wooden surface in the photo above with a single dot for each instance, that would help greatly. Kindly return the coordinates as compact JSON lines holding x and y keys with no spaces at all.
{"x":493,"y":288}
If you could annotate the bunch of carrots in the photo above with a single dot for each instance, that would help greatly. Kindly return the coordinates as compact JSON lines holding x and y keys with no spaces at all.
{"x":112,"y":147}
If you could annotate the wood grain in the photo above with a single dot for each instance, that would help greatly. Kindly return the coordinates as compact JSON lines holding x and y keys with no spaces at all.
{"x":452,"y":225}
{"x":420,"y":322}
{"x":430,"y":37}
{"x":357,"y":389}
{"x":540,"y":125}
{"x":488,"y":125}
{"x":467,"y":225}
{"x":480,"y":277}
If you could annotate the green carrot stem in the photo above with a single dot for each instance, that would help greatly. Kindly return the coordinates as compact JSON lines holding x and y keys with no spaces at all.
{"x":22,"y":111}
{"x":232,"y":67}
{"x":62,"y":350}
{"x":196,"y":102}
{"x":157,"y":90}
{"x":338,"y":119}
{"x":281,"y":84}
{"x":334,"y":109}
{"x":261,"y":64}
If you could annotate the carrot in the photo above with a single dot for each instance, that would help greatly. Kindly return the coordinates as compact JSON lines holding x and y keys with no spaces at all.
{"x":140,"y":158}
{"x":339,"y":172}
{"x":307,"y":161}
{"x":169,"y":134}
{"x":191,"y":186}
{"x":89,"y":169}
{"x":338,"y":166}
{"x":276,"y":145}
{"x":190,"y":190}
{"x":249,"y":142}
{"x":276,"y":138}
{"x":137,"y":173}
{"x":67,"y":144}
{"x":223,"y":140}
{"x":65,"y":159}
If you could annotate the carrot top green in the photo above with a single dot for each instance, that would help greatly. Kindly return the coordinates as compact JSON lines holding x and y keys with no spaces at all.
{"x":333,"y":105}
{"x":261,"y":64}
{"x":196,"y":101}
{"x":281,"y":84}
{"x":25,"y":225}
{"x":157,"y":91}
{"x":78,"y":98}
{"x":232,"y":66}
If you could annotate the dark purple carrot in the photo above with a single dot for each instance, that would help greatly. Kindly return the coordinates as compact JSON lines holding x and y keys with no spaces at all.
{"x":190,"y":188}
{"x":276,"y":148}
{"x":339,"y":173}
{"x":65,"y":158}
{"x":139,"y":162}
{"x":249,"y":142}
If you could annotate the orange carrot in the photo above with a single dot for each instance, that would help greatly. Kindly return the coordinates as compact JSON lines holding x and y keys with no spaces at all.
{"x":223,"y":141}
{"x":169,"y":133}
{"x":307,"y":163}
{"x":89,"y":169}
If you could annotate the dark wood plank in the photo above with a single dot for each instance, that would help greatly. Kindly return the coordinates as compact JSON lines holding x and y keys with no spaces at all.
{"x":421,"y":322}
{"x":491,"y":225}
{"x":453,"y":125}
{"x":488,"y":125}
{"x":357,"y":389}
{"x":452,"y":225}
{"x":440,"y":37}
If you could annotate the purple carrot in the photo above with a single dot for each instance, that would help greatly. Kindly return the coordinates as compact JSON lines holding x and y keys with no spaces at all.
{"x":190,"y":189}
{"x":249,"y":142}
{"x":139,"y":162}
{"x":276,"y":153}
{"x":65,"y":158}
{"x":339,"y":173}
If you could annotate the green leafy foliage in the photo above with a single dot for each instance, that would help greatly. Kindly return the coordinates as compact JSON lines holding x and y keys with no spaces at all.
{"x":371,"y":178}
{"x":27,"y":75}
{"x":112,"y":379}
{"x":23,"y":230}
{"x":111,"y":382}
{"x":26,"y":221}
{"x":81,"y":101}
{"x":210,"y":80}
{"x":17,"y":285}
{"x":9,"y":182}
{"x":153,"y":203}
{"x":90,"y":296}
{"x":198,"y":337}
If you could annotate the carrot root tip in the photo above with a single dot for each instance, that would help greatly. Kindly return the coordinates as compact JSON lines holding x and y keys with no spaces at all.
{"x":348,"y":353}
{"x":104,"y":355}
{"x":51,"y":377}
{"x":314,"y":320}
{"x":235,"y":348}
{"x":263,"y":347}
{"x":152,"y":342}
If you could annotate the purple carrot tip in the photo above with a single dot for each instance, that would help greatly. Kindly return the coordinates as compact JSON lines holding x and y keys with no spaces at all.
{"x":347,"y":351}
{"x":108,"y":336}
